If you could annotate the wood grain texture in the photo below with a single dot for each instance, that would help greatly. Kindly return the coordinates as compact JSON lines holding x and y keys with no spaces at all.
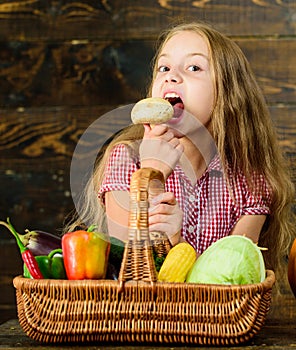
{"x":40,"y":139}
{"x":272,"y":61}
{"x":42,"y":74}
{"x":65,"y":20}
{"x":33,"y":139}
{"x":36,"y":150}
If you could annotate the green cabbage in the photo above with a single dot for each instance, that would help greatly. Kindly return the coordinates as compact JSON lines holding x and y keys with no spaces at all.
{"x":230,"y":260}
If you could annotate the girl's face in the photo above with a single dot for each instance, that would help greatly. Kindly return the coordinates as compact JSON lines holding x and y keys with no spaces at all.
{"x":184,"y":78}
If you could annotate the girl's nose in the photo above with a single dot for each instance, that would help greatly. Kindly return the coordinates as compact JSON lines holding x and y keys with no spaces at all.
{"x":173,"y":77}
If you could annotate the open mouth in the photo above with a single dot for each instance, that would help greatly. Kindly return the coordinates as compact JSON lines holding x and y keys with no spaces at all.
{"x":177,"y":104}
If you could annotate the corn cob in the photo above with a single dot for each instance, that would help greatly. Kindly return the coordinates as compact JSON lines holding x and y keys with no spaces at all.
{"x":177,"y":264}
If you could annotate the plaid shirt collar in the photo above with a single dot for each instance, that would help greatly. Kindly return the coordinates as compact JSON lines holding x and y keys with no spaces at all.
{"x":214,"y":168}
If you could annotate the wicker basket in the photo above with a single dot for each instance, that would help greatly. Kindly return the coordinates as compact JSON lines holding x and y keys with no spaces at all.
{"x":137,"y":308}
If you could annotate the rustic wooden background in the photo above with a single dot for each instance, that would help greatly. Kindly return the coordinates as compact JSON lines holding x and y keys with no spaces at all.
{"x":63,"y":64}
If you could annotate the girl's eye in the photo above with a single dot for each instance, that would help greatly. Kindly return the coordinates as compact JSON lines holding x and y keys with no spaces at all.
{"x":193,"y":68}
{"x":163,"y":69}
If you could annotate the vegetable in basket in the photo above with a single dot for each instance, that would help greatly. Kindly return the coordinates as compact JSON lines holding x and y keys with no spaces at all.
{"x":177,"y":263}
{"x":158,"y":261}
{"x":85,"y":254}
{"x":230,"y":260}
{"x":51,"y":265}
{"x":116,"y":252}
{"x":39,"y":242}
{"x":27,"y":256}
{"x":115,"y":258}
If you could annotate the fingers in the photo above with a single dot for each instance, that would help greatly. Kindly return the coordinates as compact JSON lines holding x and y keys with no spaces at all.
{"x":166,"y":216}
{"x":156,"y":131}
{"x":163,"y":132}
{"x":166,"y":197}
{"x":163,"y":206}
{"x":160,"y":149}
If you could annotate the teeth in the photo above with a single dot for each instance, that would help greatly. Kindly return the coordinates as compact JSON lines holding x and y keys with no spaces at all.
{"x":171,"y":95}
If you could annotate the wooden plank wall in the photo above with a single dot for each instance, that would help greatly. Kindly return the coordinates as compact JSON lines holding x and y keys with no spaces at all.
{"x":63,"y":64}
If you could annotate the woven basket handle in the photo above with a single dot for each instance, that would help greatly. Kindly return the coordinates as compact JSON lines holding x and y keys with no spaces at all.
{"x":137,"y":263}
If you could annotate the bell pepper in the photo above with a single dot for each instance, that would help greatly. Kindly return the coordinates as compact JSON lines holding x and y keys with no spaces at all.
{"x":85,"y":254}
{"x":51,"y":265}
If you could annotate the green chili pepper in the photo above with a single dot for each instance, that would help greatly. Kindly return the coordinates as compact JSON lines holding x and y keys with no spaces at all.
{"x":51,"y":265}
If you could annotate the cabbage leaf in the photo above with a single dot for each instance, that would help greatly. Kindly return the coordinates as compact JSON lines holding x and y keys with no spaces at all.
{"x":230,"y":260}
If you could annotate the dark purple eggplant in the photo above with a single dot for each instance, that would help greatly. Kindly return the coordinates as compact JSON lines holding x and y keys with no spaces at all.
{"x":41,"y":242}
{"x":38,"y":242}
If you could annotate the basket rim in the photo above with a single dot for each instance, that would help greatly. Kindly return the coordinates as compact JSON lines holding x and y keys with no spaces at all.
{"x":19,"y":281}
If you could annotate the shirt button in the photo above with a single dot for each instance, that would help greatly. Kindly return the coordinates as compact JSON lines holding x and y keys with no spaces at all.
{"x":191,"y":198}
{"x":191,"y":228}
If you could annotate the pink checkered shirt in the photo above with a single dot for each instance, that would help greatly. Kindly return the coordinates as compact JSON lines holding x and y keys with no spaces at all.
{"x":210,"y":211}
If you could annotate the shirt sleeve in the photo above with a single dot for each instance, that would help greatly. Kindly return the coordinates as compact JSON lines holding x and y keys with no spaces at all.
{"x":121,"y":164}
{"x":258,"y":200}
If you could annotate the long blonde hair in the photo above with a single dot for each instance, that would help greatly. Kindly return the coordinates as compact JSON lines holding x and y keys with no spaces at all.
{"x":242,"y":129}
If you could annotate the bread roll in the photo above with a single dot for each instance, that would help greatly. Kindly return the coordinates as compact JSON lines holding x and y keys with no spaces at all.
{"x":152,"y":110}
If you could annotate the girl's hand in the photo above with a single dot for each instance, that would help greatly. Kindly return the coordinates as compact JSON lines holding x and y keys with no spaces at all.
{"x":160,"y":149}
{"x":166,"y":216}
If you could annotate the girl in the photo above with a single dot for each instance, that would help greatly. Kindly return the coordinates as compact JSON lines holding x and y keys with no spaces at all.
{"x":239,"y":186}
